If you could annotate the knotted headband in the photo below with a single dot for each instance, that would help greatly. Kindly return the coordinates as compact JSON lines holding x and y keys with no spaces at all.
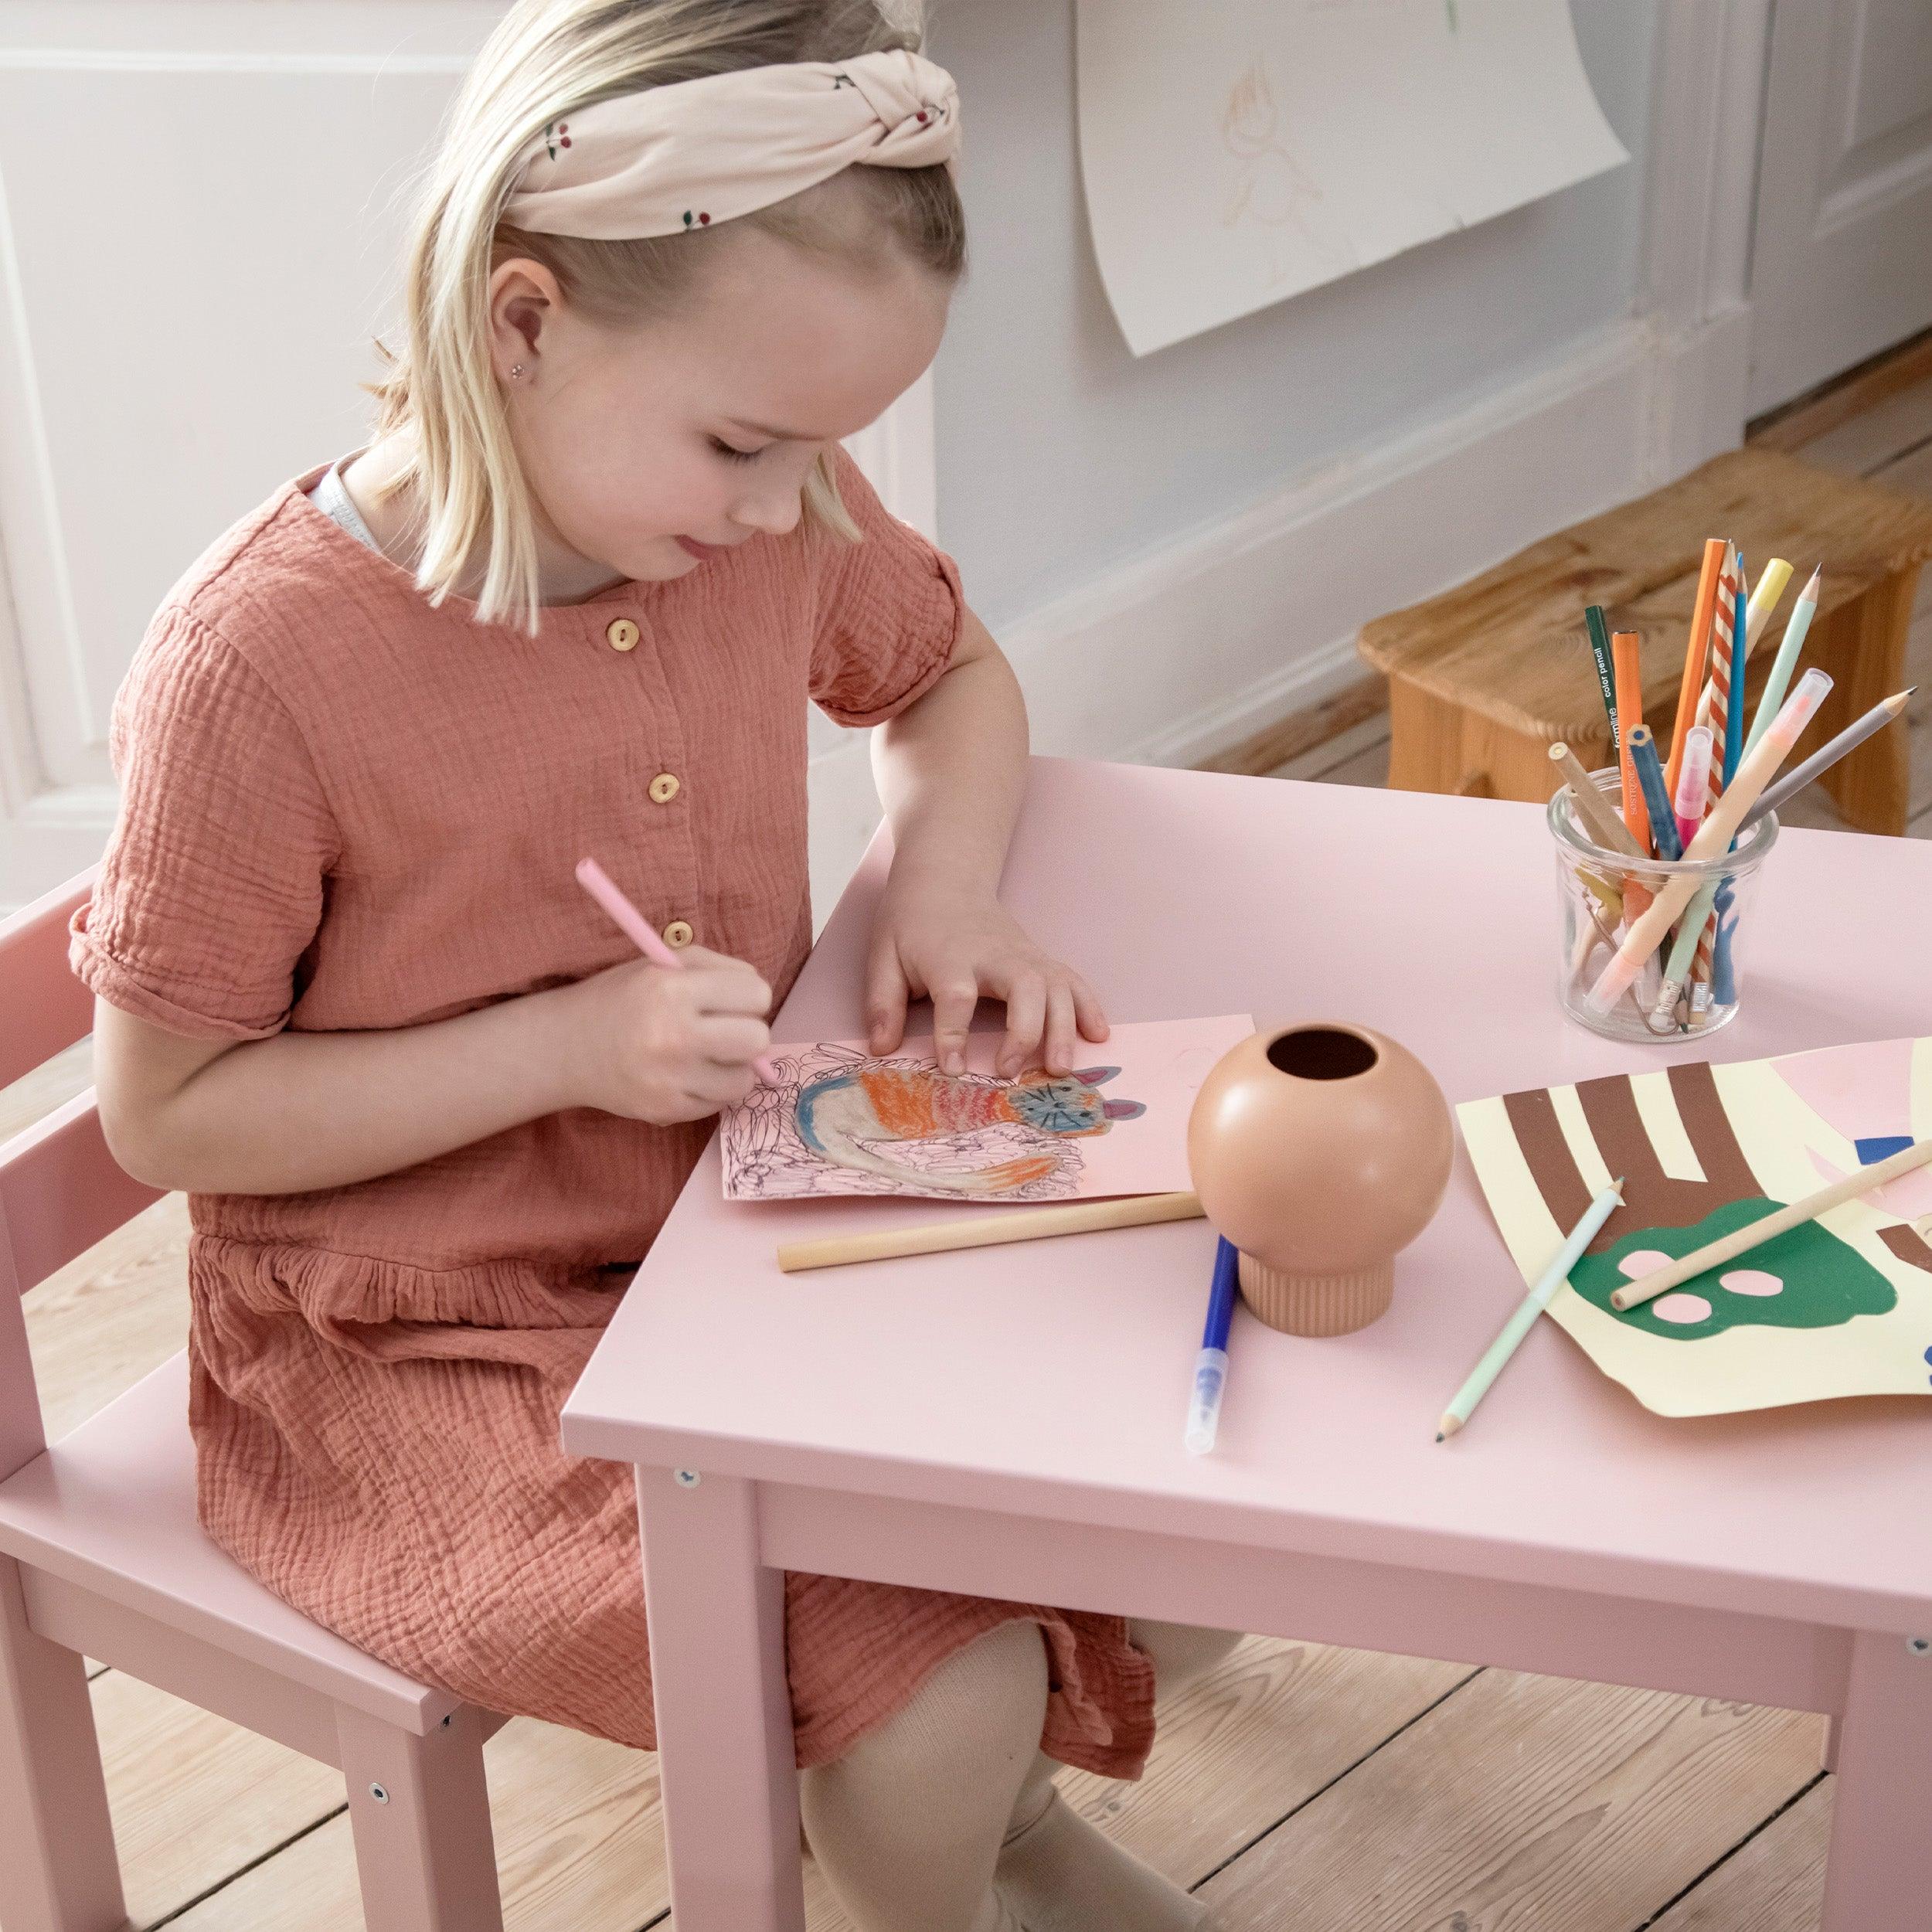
{"x":694,"y":153}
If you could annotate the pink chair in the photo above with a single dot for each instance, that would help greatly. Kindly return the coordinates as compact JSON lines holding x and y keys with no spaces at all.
{"x":101,"y":1556}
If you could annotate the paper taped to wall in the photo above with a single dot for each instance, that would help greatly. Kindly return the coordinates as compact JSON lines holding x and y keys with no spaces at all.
{"x":1237,"y":154}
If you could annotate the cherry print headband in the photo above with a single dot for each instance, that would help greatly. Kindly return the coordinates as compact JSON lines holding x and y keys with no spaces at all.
{"x":696,"y":152}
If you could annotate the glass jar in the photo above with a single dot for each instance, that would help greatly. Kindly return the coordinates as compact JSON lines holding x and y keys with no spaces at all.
{"x":1597,"y":891}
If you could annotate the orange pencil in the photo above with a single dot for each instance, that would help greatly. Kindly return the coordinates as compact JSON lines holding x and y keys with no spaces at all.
{"x":1696,"y":654}
{"x":1630,"y":714}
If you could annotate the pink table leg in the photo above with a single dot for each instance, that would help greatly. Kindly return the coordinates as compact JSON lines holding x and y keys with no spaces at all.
{"x":717,"y":1618}
{"x":1879,"y":1879}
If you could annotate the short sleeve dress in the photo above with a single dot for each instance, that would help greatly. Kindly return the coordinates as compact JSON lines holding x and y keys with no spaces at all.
{"x":343,"y":808}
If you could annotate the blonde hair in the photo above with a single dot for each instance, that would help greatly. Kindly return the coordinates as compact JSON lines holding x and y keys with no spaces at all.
{"x":547,"y":59}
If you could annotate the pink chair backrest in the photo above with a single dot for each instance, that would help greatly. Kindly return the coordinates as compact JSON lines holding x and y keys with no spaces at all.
{"x":61,"y":1190}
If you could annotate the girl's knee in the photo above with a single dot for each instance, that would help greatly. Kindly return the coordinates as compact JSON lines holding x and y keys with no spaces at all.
{"x":983,"y":1707}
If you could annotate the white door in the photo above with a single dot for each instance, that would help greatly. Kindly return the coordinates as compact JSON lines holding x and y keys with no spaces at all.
{"x":1842,"y":263}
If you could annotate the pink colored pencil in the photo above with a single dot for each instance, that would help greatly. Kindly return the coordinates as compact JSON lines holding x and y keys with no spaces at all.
{"x":639,"y":930}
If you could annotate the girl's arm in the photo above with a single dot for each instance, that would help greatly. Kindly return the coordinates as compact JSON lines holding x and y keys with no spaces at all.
{"x":950,"y":769}
{"x":301,"y":1111}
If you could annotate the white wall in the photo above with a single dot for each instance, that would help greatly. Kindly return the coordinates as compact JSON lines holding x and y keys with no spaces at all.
{"x":1060,"y":455}
{"x":1173,"y":550}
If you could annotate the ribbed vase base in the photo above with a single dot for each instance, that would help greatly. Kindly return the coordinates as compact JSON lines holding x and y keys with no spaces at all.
{"x":1315,"y":1304}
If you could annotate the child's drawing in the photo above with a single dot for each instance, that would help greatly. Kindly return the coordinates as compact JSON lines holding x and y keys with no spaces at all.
{"x":847,"y":1117}
{"x":1271,"y":189}
{"x":1234,"y":154}
{"x":1840,"y":1306}
{"x":838,"y":1121}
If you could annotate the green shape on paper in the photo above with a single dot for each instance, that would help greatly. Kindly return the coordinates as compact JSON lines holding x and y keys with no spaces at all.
{"x":1824,"y":1282}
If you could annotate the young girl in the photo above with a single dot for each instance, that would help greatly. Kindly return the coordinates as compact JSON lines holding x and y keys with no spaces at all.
{"x":430,"y":1109}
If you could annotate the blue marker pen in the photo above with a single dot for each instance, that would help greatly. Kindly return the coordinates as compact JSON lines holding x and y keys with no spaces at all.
{"x":1211,"y":1366}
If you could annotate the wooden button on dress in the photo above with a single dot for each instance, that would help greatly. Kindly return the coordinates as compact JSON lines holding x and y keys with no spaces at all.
{"x":623,"y":634}
{"x":664,"y":788}
{"x":678,"y":934}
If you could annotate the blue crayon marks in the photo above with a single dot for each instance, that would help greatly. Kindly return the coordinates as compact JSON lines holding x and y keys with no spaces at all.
{"x":1881,"y":1147}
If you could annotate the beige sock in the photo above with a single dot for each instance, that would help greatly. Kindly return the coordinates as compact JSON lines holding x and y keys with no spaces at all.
{"x":1061,"y":1874}
{"x":1064,"y":1875}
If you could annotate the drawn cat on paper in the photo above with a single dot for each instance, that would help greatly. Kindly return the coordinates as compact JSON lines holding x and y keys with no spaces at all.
{"x":839,"y":1115}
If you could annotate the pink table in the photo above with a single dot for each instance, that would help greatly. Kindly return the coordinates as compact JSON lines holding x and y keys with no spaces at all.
{"x":1007,"y":1422}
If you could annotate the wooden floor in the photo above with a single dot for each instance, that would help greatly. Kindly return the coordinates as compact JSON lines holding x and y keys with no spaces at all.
{"x":1301,"y":1789}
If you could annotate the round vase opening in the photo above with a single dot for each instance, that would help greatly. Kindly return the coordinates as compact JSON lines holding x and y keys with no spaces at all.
{"x":1321,"y":1053}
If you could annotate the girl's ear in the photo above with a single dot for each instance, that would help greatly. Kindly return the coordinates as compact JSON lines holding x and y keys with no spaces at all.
{"x":1096,"y":1075}
{"x":525,"y":299}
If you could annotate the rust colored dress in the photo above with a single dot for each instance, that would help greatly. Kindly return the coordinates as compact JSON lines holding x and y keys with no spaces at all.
{"x":343,"y":809}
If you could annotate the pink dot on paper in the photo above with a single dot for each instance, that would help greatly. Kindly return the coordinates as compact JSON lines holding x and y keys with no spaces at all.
{"x":1645,"y":1261}
{"x":1681,"y":1308}
{"x":1751,"y":1281}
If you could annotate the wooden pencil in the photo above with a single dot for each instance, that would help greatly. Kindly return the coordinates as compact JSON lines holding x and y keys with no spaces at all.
{"x":987,"y":1230}
{"x":1606,"y":829}
{"x":1757,"y":1232}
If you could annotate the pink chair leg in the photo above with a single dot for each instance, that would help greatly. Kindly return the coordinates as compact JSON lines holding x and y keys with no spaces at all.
{"x":1879,"y":1879}
{"x":1828,"y":1759}
{"x":420,"y":1810}
{"x":58,"y":1870}
{"x":717,"y":1619}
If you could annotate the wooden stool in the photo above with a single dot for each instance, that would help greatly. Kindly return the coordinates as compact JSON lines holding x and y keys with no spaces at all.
{"x":1484,"y":678}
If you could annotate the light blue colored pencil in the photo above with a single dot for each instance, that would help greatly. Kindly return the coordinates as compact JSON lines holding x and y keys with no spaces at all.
{"x":1534,"y":1303}
{"x":1786,"y":661}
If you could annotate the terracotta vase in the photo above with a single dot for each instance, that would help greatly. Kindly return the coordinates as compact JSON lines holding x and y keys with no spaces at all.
{"x":1320,"y":1151}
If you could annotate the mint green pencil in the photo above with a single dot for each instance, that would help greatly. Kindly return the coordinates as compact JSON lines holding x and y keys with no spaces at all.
{"x":1534,"y":1303}
{"x":1786,"y":661}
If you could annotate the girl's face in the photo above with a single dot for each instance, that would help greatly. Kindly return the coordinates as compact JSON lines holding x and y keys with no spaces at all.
{"x":650,"y":448}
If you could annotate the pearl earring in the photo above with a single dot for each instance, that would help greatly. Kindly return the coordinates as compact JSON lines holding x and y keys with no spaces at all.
{"x":516,"y":370}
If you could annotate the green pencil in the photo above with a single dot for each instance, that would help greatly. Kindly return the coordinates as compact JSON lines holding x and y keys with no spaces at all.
{"x":1534,"y":1303}
{"x":1606,"y":668}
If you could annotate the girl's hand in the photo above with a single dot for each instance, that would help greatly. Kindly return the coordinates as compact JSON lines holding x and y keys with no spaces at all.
{"x":953,"y":946}
{"x":661,"y":1047}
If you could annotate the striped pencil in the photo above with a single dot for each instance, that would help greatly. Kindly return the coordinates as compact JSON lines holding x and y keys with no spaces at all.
{"x":1718,"y":695}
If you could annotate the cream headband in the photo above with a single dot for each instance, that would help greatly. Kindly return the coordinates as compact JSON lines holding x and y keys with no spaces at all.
{"x":697,"y":152}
